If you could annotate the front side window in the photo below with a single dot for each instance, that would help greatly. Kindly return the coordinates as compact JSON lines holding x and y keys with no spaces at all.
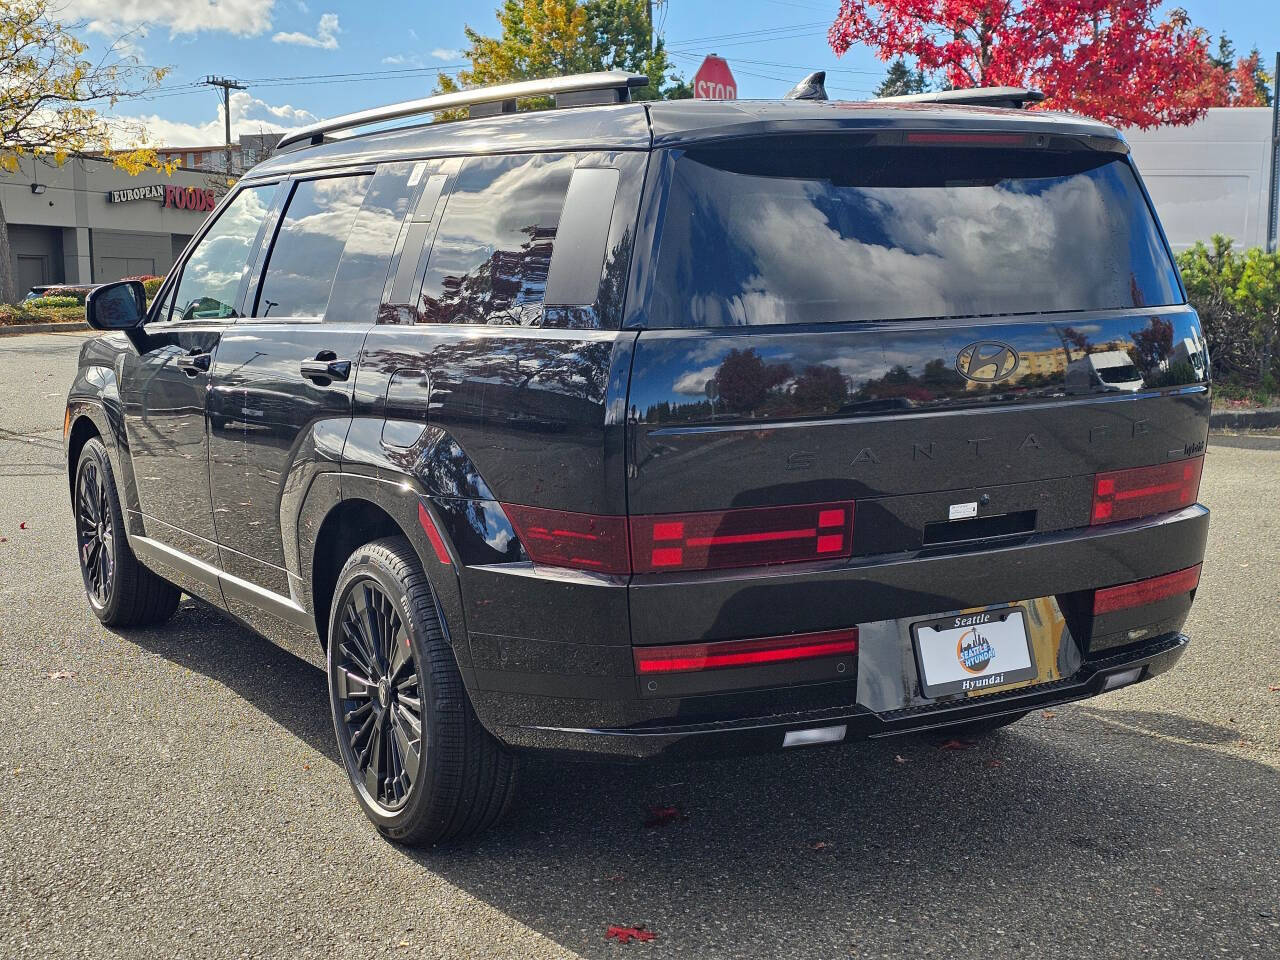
{"x":304,"y":258}
{"x":818,"y":233}
{"x":490,"y":260}
{"x":211,"y":278}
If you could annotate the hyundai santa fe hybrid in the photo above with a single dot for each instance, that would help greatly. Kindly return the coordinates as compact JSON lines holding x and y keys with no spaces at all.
{"x":641,"y":429}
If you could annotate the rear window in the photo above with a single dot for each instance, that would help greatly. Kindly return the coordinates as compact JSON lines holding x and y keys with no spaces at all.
{"x":796,"y":234}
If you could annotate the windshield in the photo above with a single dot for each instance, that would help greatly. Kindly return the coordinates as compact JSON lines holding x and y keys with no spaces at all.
{"x":806,"y":235}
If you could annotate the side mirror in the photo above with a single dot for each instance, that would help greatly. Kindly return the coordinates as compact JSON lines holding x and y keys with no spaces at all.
{"x":117,"y":306}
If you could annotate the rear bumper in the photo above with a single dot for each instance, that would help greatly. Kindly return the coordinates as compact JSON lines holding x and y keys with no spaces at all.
{"x":561,"y":675}
{"x":766,"y":734}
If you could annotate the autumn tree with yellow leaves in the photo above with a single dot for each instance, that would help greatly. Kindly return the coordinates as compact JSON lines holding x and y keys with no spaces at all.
{"x":547,"y":38}
{"x":50,"y":94}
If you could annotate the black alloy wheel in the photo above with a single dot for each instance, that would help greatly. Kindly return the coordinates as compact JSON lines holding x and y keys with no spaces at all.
{"x":380,"y":695}
{"x":95,"y":533}
{"x":423,"y":767}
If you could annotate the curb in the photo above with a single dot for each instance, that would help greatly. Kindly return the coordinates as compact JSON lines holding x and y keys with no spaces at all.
{"x":1244,"y":420}
{"x":14,"y":329}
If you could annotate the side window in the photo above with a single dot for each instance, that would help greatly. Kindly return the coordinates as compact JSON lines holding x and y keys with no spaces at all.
{"x":490,"y":259}
{"x":304,"y":259}
{"x":212,"y":275}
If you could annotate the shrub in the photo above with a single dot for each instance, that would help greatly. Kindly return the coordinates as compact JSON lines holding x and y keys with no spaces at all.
{"x":41,"y":303}
{"x":151,"y":285}
{"x":1238,"y":298}
{"x":10,"y":315}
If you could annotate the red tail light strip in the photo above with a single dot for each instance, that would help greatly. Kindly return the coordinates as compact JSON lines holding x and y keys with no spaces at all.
{"x":1143,"y":491}
{"x":579,"y":541}
{"x":741,"y":538}
{"x":988,"y":139}
{"x":1143,"y":592}
{"x":690,"y":657}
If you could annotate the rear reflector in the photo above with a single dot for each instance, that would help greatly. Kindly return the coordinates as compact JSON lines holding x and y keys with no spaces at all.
{"x":741,"y":538}
{"x":580,"y":541}
{"x":689,"y":657}
{"x":1142,"y":592}
{"x":433,"y":534}
{"x":801,"y":738}
{"x":1140,"y":492}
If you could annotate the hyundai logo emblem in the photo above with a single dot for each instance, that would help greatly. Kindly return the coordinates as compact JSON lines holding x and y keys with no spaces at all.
{"x":987,"y":361}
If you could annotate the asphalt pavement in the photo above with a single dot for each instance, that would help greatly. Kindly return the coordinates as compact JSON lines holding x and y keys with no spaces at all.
{"x":176,"y":792}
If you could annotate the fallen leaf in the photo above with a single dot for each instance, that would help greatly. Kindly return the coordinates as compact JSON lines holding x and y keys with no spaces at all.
{"x":957,"y":745}
{"x":306,"y":766}
{"x":616,"y":878}
{"x":22,"y":525}
{"x":994,"y":763}
{"x":1048,"y":714}
{"x":1274,"y":687}
{"x":403,"y":945}
{"x":61,"y":675}
{"x":899,"y":758}
{"x":819,"y":845}
{"x":627,"y":934}
{"x":661,"y":816}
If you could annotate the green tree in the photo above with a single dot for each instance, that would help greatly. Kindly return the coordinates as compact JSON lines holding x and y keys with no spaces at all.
{"x":901,"y":80}
{"x":544,"y":38}
{"x":47,"y":92}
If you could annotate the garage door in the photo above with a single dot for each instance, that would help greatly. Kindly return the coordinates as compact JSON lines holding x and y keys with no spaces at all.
{"x":117,"y":268}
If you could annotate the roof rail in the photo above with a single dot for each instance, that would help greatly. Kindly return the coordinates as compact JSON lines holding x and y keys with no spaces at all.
{"x":1016,"y":97}
{"x":608,"y":86}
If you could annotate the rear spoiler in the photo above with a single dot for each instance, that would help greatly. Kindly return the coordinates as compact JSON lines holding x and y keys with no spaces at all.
{"x":1014,"y":97}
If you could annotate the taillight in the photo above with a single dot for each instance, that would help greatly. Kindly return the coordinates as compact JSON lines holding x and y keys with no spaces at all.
{"x":1142,"y":592}
{"x":1142,"y":491}
{"x":690,"y":657}
{"x":741,"y":538}
{"x":580,"y":541}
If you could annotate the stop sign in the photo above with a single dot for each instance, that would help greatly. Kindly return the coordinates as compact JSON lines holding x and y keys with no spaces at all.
{"x":713,"y":81}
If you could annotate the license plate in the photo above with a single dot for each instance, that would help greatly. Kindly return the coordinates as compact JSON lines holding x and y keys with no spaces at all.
{"x":973,"y":652}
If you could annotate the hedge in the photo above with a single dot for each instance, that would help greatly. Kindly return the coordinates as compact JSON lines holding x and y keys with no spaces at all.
{"x":26,"y":313}
{"x":1237,"y":294}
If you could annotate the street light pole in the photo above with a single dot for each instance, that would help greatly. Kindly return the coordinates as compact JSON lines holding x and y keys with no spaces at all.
{"x":227,"y":86}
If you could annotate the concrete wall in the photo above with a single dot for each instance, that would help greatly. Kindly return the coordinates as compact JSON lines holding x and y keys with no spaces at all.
{"x":1210,"y":177}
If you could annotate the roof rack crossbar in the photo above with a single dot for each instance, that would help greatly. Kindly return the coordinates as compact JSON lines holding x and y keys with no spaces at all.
{"x":616,"y":80}
{"x":973,"y":96}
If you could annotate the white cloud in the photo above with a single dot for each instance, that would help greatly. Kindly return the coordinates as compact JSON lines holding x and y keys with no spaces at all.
{"x":114,"y":17}
{"x":248,"y":115}
{"x":446,"y":53}
{"x":402,"y":60}
{"x":326,"y":37}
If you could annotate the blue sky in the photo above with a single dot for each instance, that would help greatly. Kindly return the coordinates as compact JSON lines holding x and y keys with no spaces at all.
{"x":311,"y":58}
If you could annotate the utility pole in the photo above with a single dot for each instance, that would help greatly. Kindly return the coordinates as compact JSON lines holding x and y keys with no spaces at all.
{"x":227,"y":86}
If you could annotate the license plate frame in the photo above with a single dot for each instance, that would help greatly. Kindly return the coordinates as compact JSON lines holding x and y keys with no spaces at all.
{"x":943,"y":672}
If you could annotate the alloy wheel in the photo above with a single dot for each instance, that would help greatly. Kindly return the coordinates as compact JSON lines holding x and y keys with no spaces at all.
{"x":95,"y":533}
{"x":379,"y":696}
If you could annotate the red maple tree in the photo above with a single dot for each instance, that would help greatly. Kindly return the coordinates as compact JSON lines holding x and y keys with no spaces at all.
{"x":1109,"y":59}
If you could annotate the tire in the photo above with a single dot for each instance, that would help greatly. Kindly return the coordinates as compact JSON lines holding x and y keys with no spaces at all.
{"x":386,"y":644}
{"x":121,"y":591}
{"x":986,"y":726}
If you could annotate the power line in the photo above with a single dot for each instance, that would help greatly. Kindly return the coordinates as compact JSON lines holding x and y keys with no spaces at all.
{"x":227,"y":86}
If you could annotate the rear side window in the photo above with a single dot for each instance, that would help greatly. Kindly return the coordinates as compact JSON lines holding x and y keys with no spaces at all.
{"x":816,"y":234}
{"x":492,"y":254}
{"x":308,"y":246}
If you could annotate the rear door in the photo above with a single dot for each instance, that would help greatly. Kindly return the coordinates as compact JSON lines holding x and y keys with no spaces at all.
{"x":280,"y":398}
{"x":893,"y":324}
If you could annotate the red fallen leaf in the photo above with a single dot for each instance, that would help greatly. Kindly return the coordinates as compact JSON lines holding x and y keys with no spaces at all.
{"x":994,"y":763}
{"x":22,"y":525}
{"x":819,"y":845}
{"x":616,"y":878}
{"x":661,"y":816}
{"x":1274,"y":687}
{"x":957,"y":745}
{"x":1048,"y":713}
{"x":627,"y":934}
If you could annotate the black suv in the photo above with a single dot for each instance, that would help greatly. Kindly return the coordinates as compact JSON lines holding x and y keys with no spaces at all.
{"x":649,"y":428}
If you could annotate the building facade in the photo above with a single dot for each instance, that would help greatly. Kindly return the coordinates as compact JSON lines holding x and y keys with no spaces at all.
{"x":88,"y":221}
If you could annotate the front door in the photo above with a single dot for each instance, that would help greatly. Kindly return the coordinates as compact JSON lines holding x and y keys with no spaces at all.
{"x":280,"y":402}
{"x":164,"y":384}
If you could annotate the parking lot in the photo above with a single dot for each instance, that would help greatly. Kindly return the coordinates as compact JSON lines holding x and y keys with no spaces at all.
{"x":176,"y":792}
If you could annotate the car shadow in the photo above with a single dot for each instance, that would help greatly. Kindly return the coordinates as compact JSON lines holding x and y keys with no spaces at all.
{"x":1075,"y":830}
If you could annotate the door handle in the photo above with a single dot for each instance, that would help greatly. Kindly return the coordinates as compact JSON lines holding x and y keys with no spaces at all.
{"x":326,"y":367}
{"x":193,"y":363}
